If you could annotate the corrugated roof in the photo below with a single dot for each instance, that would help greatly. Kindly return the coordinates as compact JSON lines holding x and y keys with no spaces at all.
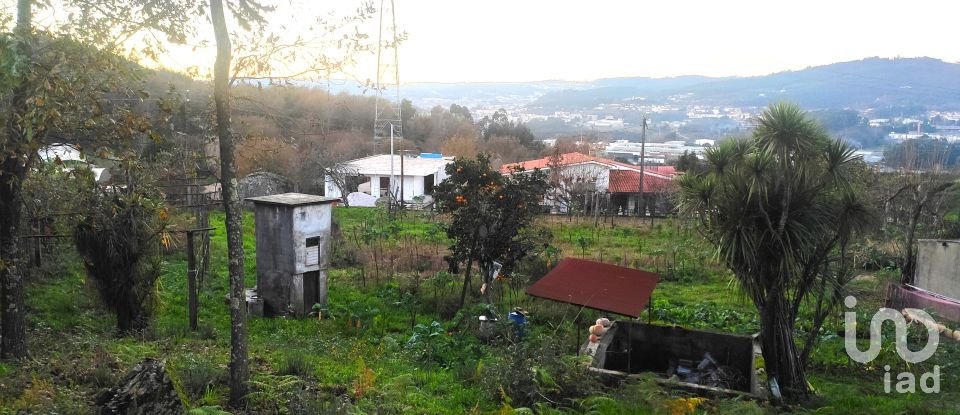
{"x":597,"y":285}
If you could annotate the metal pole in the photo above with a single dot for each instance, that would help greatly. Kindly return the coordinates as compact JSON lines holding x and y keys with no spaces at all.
{"x":37,"y":243}
{"x":191,"y":281}
{"x":401,"y":173}
{"x":643,"y":172}
{"x":392,"y":177}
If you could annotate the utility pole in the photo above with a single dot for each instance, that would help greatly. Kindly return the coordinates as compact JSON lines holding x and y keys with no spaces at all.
{"x":391,"y":193}
{"x":643,"y":159}
{"x":401,"y":173}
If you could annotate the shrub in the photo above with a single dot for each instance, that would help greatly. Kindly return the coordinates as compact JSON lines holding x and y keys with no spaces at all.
{"x":537,"y":372}
{"x":274,"y":394}
{"x":296,"y":364}
{"x":118,"y":239}
{"x":198,"y":376}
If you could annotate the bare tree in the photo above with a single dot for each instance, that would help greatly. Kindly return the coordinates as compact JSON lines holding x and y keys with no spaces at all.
{"x":239,"y":371}
{"x":574,"y":182}
{"x":920,"y":186}
{"x":341,"y":176}
{"x":261,"y":55}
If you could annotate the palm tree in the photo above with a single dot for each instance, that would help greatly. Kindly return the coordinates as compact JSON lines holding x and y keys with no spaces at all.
{"x":781,"y":207}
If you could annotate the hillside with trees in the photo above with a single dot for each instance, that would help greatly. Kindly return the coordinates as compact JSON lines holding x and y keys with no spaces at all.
{"x":872,"y":82}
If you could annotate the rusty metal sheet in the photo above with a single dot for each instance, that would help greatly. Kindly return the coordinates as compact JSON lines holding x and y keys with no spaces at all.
{"x":596,"y":285}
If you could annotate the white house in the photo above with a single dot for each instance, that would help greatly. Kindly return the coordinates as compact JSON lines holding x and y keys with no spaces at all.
{"x":419,"y":174}
{"x":582,"y":174}
{"x":71,"y":157}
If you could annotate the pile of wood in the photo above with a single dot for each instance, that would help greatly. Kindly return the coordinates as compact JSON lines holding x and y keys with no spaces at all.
{"x":918,"y":316}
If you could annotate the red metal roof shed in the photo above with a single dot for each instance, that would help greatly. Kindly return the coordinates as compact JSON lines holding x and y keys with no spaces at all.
{"x":597,"y":285}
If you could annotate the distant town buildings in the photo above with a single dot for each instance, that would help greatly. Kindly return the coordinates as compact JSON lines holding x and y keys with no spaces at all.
{"x":653,"y":153}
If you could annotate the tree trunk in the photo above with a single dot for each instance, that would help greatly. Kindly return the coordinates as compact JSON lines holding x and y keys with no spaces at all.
{"x":909,"y":260}
{"x":466,"y":282}
{"x":231,"y":205}
{"x":130,"y":315}
{"x":780,"y":354}
{"x":15,"y":169}
{"x":11,"y":276}
{"x":487,"y":295}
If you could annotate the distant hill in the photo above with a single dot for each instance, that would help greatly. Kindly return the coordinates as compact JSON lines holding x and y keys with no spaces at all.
{"x":472,"y":94}
{"x":871,"y":82}
{"x":866,"y":83}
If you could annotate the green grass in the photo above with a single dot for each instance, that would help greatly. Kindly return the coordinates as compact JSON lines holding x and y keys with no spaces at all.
{"x":362,"y":353}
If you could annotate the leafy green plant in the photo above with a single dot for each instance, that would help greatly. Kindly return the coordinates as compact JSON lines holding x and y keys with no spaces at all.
{"x":272,"y":393}
{"x":429,"y":343}
{"x":706,"y":315}
{"x":537,"y":372}
{"x":357,"y":315}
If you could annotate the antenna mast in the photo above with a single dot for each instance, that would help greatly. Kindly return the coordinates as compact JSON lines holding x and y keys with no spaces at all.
{"x":387,"y":119}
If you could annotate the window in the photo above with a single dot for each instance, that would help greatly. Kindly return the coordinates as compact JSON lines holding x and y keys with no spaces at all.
{"x":313,"y":251}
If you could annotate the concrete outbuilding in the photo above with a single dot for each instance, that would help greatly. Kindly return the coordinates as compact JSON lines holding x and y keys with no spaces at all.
{"x":293,"y":245}
{"x":938,"y":267}
{"x":936,"y":284}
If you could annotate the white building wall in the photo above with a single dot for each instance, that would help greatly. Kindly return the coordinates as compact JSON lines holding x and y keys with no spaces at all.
{"x":413,"y":186}
{"x":603,"y":181}
{"x":440,"y":176}
{"x":417,"y":188}
{"x":375,"y":188}
{"x":311,"y":221}
{"x":410,"y":187}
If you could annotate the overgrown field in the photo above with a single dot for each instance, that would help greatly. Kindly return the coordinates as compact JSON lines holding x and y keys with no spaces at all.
{"x":392,"y":340}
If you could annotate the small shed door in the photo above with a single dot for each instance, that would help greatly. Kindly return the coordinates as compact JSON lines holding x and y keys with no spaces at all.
{"x":428,"y":184}
{"x":310,"y":290}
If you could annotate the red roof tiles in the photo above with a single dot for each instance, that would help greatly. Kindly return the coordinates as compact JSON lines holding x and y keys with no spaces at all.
{"x":628,"y":181}
{"x":579,"y":158}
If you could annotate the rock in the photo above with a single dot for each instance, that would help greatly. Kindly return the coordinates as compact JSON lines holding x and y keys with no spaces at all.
{"x":144,"y":390}
{"x":262,"y":183}
{"x":357,"y":199}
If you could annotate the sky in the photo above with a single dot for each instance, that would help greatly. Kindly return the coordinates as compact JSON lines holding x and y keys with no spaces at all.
{"x":497,"y":40}
{"x":530,"y":40}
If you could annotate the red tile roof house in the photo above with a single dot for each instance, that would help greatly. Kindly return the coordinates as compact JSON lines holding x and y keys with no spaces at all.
{"x":581,"y":177}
